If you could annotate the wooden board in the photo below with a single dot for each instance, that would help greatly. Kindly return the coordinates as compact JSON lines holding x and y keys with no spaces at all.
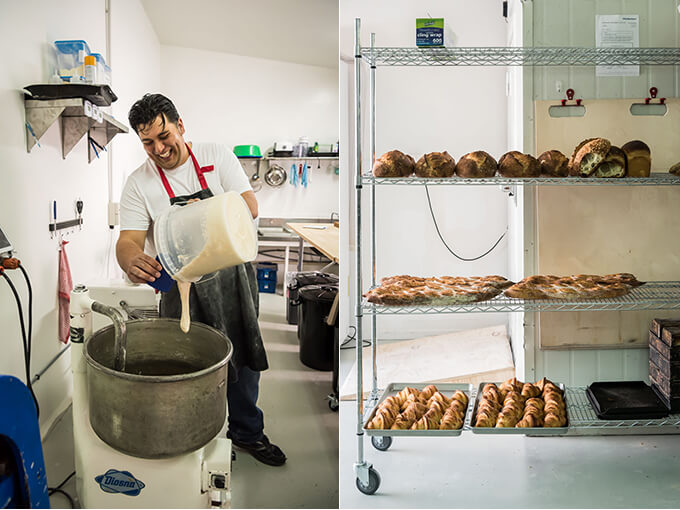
{"x":470,"y":356}
{"x":607,"y":229}
{"x":326,"y":240}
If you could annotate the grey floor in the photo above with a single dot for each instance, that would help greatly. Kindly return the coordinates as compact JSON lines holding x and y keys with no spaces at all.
{"x":297,"y":418}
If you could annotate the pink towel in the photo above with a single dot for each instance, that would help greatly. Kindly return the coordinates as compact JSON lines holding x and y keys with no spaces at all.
{"x":65,"y":288}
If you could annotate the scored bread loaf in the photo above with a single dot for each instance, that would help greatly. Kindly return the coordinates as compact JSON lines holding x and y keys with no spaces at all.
{"x":475,"y":165}
{"x":614,"y":164}
{"x":638,"y":158}
{"x":516,"y":164}
{"x":394,"y":164}
{"x":553,"y":164}
{"x":435,"y":164}
{"x":590,"y":156}
{"x":675,"y":169}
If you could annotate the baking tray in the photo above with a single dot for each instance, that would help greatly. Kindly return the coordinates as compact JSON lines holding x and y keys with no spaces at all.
{"x":446,"y":388}
{"x":532,"y":431}
{"x":625,"y":400}
{"x":101,"y":95}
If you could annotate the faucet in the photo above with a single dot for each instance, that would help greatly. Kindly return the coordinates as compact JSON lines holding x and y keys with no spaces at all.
{"x":120,"y":333}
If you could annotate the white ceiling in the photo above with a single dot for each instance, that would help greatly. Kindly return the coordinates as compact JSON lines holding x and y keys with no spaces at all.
{"x":299,"y":31}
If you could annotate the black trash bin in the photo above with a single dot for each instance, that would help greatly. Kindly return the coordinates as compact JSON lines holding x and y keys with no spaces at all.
{"x":316,"y":337}
{"x":300,"y":280}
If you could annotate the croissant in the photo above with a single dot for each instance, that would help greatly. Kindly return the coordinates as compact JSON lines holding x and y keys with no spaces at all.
{"x":430,"y":420}
{"x":553,"y":420}
{"x":455,"y":412}
{"x":541,"y":384}
{"x":492,"y":393}
{"x":461,"y":397}
{"x":535,"y":402}
{"x":507,"y":420}
{"x":392,"y":403}
{"x":512,"y":385}
{"x":529,"y":390}
{"x":513,"y":396}
{"x":439,"y":397}
{"x":450,"y":421}
{"x":549,"y":386}
{"x":403,"y":422}
{"x":413,"y":398}
{"x":529,"y":420}
{"x":402,"y":396}
{"x":438,"y":406}
{"x":428,"y":391}
{"x":457,"y":404}
{"x":485,"y":419}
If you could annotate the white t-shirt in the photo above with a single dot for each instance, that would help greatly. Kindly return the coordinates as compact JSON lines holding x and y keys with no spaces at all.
{"x":144,"y":197}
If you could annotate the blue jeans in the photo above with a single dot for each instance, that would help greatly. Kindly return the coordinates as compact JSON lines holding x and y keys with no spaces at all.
{"x":246,"y":422}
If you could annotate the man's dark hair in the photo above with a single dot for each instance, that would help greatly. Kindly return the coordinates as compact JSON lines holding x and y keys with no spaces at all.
{"x":145,"y":111}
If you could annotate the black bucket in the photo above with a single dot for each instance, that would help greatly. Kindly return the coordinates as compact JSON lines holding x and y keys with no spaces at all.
{"x":300,"y":280}
{"x":316,"y":337}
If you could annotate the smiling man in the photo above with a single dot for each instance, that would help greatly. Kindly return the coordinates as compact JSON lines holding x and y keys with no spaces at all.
{"x":177,"y":172}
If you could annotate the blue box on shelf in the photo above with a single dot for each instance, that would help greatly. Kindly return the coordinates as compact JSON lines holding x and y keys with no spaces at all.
{"x":267,"y":286}
{"x":266,"y":271}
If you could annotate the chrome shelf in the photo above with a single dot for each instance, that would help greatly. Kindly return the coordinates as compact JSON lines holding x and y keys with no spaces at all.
{"x":651,"y":296}
{"x":656,"y":179}
{"x":584,"y":421}
{"x":501,"y":56}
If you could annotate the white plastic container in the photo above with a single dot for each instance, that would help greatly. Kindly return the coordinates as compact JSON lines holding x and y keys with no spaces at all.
{"x":203,"y":237}
{"x":103,"y":70}
{"x":71,"y":60}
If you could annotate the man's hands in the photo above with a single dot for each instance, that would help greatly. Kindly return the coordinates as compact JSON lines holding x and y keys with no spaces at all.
{"x":142,"y":268}
{"x":139,"y":267}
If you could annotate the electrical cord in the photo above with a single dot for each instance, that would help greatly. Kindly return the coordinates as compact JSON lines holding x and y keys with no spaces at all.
{"x":434,"y":220}
{"x":58,"y":488}
{"x":25,"y":340}
{"x":30,"y":314}
{"x":344,"y":345}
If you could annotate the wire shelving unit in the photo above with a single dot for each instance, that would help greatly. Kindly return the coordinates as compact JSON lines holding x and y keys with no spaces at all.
{"x":652,"y":296}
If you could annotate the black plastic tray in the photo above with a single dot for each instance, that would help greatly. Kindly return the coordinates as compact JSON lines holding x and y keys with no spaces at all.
{"x":625,"y":400}
{"x":101,"y":95}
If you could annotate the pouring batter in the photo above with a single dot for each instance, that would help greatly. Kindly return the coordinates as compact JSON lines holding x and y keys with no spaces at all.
{"x":226,"y":300}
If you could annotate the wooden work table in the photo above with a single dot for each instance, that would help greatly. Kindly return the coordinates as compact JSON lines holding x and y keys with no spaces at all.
{"x":325,"y":237}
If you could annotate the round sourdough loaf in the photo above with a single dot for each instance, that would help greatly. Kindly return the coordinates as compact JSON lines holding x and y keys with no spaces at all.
{"x":573,"y":171}
{"x":435,"y":164}
{"x":475,"y":165}
{"x":394,"y":164}
{"x":516,"y":164}
{"x":553,"y":164}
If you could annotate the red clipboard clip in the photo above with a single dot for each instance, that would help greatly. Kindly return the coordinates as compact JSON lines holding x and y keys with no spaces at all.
{"x":653,"y":92}
{"x":570,"y":97}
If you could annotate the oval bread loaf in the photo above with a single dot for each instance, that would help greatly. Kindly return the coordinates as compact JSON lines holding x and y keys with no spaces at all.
{"x":614,"y":164}
{"x":435,"y":164}
{"x":516,"y":164}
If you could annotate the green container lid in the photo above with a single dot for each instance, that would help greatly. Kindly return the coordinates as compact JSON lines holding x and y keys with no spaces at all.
{"x":247,"y":151}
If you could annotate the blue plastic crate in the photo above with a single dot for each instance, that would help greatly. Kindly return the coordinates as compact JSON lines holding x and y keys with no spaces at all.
{"x":266,"y":271}
{"x":267,"y":286}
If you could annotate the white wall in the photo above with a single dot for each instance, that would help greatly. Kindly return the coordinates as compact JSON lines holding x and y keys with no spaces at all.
{"x":572,"y":23}
{"x":31,"y":181}
{"x":240,"y":100}
{"x":420,"y":110}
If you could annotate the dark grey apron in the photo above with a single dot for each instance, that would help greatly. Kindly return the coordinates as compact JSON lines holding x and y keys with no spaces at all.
{"x":227,"y":300}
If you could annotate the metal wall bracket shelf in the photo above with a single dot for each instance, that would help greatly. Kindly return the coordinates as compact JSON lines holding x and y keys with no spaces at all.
{"x":650,"y":296}
{"x":40,"y":115}
{"x":508,"y":56}
{"x":655,"y":179}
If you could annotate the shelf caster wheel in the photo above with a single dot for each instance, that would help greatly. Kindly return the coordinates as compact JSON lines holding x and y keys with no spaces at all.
{"x":333,"y":403}
{"x":373,"y":482}
{"x":381,"y":443}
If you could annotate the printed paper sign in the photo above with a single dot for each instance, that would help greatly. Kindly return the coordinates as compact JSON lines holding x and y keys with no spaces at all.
{"x":617,"y":31}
